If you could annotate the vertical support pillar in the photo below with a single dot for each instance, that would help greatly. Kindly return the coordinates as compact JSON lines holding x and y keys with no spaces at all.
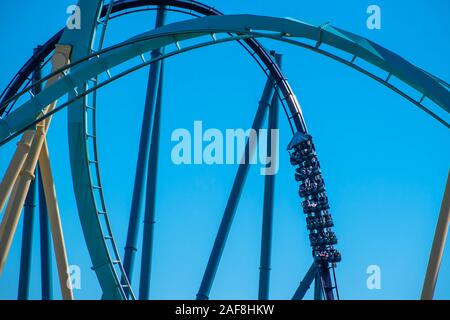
{"x":10,"y":177}
{"x":60,"y":58}
{"x":17,"y":200}
{"x":45,"y":244}
{"x":233,"y":199}
{"x":27,"y":241}
{"x":437,"y":249}
{"x":266,"y":237}
{"x":149,"y":216}
{"x":143,"y":155}
{"x":55,"y":224}
{"x":28,"y":222}
{"x":306,"y":282}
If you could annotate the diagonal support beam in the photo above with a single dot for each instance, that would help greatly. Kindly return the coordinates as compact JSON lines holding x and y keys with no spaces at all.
{"x":12,"y":172}
{"x":60,"y":59}
{"x":55,"y":224}
{"x":437,"y":249}
{"x":26,"y":175}
{"x":149,"y":214}
{"x":19,"y":193}
{"x":306,"y":282}
{"x":318,"y":287}
{"x":235,"y":194}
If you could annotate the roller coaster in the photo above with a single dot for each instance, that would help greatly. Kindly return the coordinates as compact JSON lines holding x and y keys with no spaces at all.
{"x":81,"y":65}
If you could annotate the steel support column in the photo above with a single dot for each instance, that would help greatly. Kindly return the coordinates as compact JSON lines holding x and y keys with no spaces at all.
{"x":266,"y":235}
{"x":143,"y":155}
{"x":437,"y":249}
{"x":59,"y":245}
{"x":306,"y":282}
{"x":233,"y":199}
{"x":28,"y":221}
{"x":27,"y":241}
{"x":45,"y":244}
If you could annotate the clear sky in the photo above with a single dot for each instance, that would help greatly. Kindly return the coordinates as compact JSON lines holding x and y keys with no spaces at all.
{"x":384,"y":161}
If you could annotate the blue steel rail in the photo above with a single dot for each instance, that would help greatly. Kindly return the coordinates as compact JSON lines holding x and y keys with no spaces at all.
{"x":280,"y":29}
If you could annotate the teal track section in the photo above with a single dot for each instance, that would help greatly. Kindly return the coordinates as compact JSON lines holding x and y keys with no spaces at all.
{"x":102,"y":260}
{"x":74,"y":84}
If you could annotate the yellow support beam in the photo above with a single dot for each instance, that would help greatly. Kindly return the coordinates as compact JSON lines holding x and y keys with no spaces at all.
{"x":7,"y":224}
{"x":10,"y":177}
{"x":23,"y":147}
{"x":437,"y":249}
{"x":55,"y":223}
{"x":16,"y":202}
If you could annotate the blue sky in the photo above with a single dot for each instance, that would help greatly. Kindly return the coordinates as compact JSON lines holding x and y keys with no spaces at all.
{"x":384,"y":161}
